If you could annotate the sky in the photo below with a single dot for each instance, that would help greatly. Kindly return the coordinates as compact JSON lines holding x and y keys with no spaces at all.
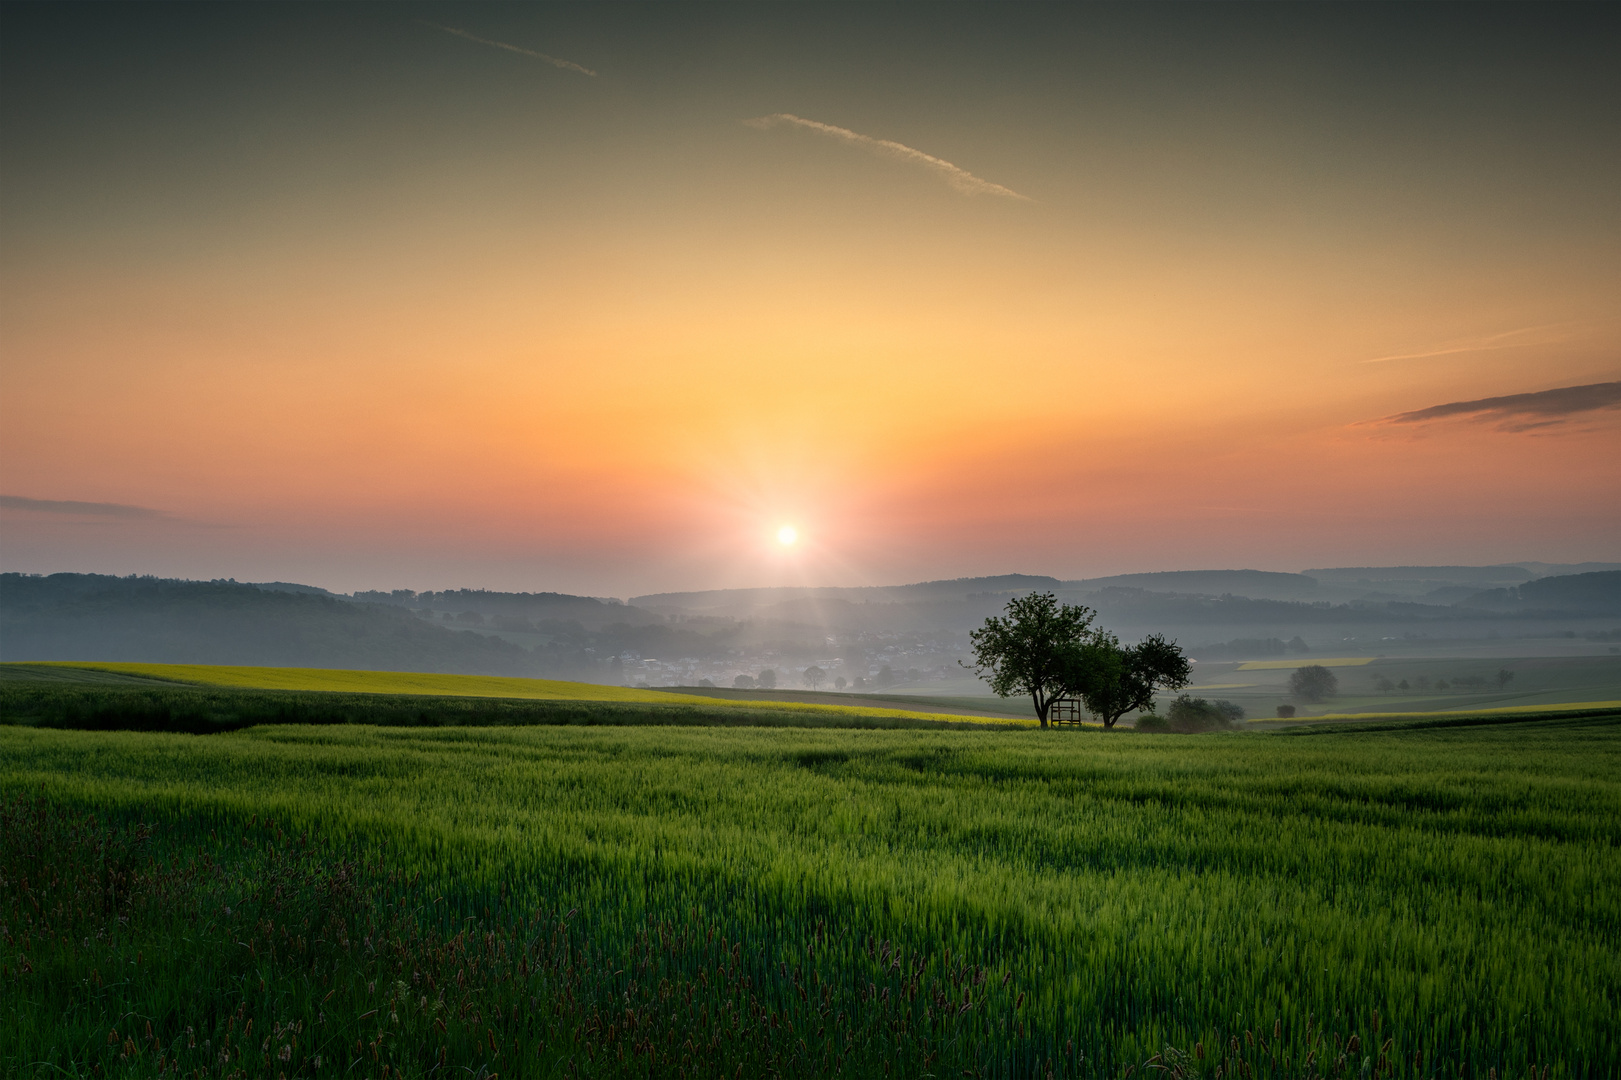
{"x":599,"y":298}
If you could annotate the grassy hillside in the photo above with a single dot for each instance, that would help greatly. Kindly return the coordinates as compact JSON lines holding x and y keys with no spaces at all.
{"x":716,"y":902}
{"x":201,"y":698}
{"x":966,"y":704}
{"x":374,"y":682}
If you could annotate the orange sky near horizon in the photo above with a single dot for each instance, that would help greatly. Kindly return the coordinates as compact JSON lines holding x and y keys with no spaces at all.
{"x":526,"y":328}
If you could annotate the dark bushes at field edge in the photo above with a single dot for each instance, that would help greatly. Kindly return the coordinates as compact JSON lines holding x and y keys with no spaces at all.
{"x":202,"y":711}
{"x":1190,"y":714}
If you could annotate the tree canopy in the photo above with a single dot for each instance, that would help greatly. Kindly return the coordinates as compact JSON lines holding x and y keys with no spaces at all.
{"x":1038,"y":647}
{"x":1314,"y":682}
{"x":1052,"y":651}
{"x":1129,"y":679}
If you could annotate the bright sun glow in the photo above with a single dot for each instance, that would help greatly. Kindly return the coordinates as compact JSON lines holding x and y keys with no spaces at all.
{"x":787,"y":535}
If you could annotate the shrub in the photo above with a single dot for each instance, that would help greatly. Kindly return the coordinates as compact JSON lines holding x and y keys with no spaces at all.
{"x":1196,"y":714}
{"x":1286,"y":711}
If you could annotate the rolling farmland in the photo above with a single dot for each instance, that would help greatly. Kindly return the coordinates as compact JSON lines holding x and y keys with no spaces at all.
{"x":201,"y":698}
{"x":1421,"y":684}
{"x":369,"y":682}
{"x":636,"y":901}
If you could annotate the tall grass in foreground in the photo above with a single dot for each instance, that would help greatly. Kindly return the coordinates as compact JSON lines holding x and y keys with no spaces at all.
{"x":342,"y":964}
{"x":1448,"y":899}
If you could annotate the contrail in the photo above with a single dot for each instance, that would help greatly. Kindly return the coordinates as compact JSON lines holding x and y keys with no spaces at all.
{"x":568,"y":65}
{"x":960,"y":179}
{"x":1488,"y":343}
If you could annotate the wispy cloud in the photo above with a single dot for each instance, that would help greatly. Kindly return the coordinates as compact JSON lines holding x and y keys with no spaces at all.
{"x":78,"y":509}
{"x":567,"y":65}
{"x":960,"y":179}
{"x":1522,"y":338}
{"x":1521,"y":412}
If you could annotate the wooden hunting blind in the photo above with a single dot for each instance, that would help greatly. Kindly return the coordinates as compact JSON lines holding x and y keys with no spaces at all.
{"x":1067,"y":711}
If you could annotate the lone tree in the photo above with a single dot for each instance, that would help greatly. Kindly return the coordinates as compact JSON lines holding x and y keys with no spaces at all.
{"x":814,"y":676}
{"x":1114,"y":681}
{"x":766,"y":680}
{"x":1314,"y":682}
{"x":1504,"y":677}
{"x":1036,"y":647}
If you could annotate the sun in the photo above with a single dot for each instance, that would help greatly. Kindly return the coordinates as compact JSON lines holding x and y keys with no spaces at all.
{"x":787,"y":535}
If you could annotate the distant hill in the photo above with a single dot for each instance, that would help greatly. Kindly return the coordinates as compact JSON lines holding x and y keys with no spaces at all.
{"x":549,"y":607}
{"x":1260,"y":584}
{"x":744,"y":600}
{"x":924,"y":626}
{"x":1430,"y":584}
{"x":1572,"y":592}
{"x":96,"y":617}
{"x":1350,"y":596}
{"x":1354,"y":574}
{"x":293,"y":587}
{"x":1542,"y":569}
{"x":1565,"y":594}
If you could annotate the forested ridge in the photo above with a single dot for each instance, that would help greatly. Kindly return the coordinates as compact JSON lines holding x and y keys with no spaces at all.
{"x":98,"y":617}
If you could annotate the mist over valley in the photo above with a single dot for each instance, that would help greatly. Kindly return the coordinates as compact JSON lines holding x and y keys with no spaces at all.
{"x":907,"y":640}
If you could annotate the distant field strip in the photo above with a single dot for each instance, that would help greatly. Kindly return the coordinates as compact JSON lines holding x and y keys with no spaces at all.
{"x":478,"y":686}
{"x":1436,"y":714}
{"x":1330,"y":661}
{"x":381,"y":682}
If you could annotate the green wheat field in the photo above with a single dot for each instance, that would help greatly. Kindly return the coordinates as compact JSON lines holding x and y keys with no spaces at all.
{"x":624,"y":899}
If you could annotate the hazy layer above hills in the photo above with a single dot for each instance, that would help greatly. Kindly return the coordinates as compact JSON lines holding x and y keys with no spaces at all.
{"x":1348,"y":585}
{"x":917,"y":632}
